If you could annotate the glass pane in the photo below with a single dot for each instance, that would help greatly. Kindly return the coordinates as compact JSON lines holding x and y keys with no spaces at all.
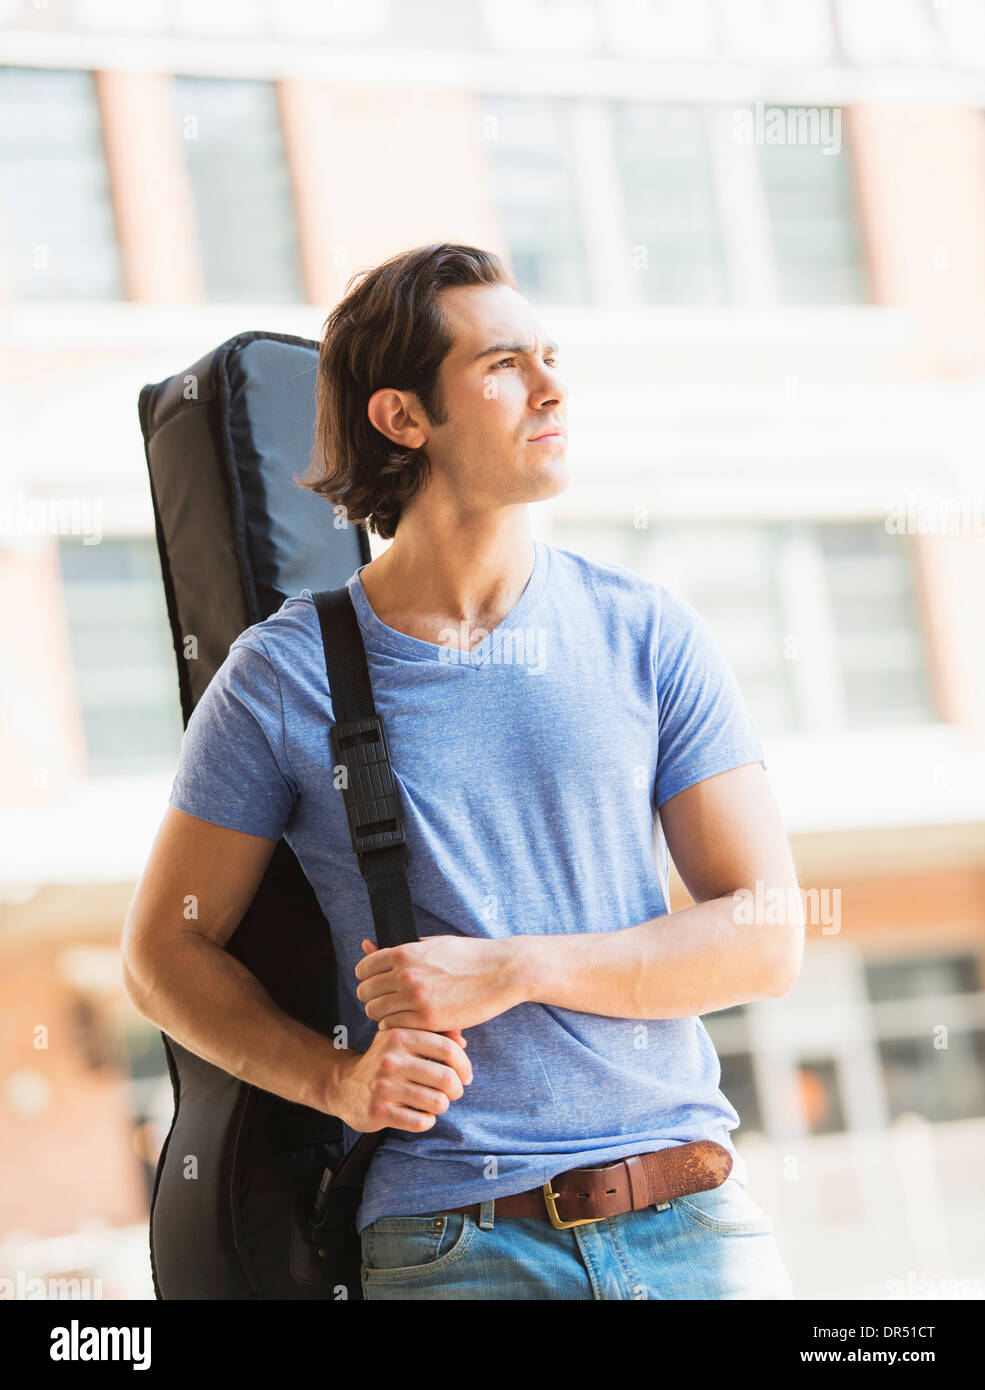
{"x":664,"y":162}
{"x":919,"y":977}
{"x":816,"y":1094}
{"x":143,"y":1050}
{"x":879,"y":638}
{"x":738,"y":1085}
{"x":810,"y":198}
{"x":607,"y":542}
{"x":728,"y":572}
{"x":111,"y":562}
{"x":123,"y":655}
{"x":235,"y":151}
{"x":733,"y":1011}
{"x":57,"y":228}
{"x":728,"y":1029}
{"x":937,"y":1083}
{"x":532,"y":185}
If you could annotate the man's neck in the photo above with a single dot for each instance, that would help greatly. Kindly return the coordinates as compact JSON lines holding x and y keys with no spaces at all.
{"x":425,"y":583}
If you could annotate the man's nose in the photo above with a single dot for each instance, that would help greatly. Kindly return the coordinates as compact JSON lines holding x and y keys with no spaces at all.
{"x":552,"y":386}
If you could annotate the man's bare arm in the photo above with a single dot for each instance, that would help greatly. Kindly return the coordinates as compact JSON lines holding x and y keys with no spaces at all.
{"x":725,"y":834}
{"x":177,"y":974}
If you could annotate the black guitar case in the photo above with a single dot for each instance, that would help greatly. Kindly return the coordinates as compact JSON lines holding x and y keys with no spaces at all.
{"x":240,"y":1168}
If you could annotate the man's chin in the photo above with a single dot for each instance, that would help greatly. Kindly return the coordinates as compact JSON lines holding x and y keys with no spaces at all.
{"x":554,"y":479}
{"x":538,"y":484}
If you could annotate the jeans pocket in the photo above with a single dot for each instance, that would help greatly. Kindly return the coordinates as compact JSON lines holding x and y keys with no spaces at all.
{"x":727,"y":1209}
{"x":404,"y":1247}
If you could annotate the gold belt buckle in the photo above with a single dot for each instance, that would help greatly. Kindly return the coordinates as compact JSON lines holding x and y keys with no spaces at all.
{"x":550,"y":1199}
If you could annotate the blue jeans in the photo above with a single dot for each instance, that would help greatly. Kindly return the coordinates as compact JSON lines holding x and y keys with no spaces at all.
{"x":717,"y":1244}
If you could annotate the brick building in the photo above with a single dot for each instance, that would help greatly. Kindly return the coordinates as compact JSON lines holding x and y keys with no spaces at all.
{"x":761,"y":245}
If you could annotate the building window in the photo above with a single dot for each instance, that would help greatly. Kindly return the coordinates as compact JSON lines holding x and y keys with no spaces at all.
{"x":243,"y":198}
{"x":57,"y":227}
{"x":810,"y":205}
{"x":700,"y":215}
{"x":606,"y":542}
{"x":729,"y":1031}
{"x":738,"y":1085}
{"x":728,"y":572}
{"x":141,"y":1050}
{"x":672,"y":218}
{"x":917,"y":977}
{"x":918,"y":1044}
{"x":818,"y":620}
{"x":529,"y":155}
{"x":881,"y":653}
{"x":123,"y":654}
{"x":928,"y":1015}
{"x":936,"y":1083}
{"x":815,"y":1096}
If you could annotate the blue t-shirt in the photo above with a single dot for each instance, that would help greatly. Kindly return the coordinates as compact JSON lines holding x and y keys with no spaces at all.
{"x":530,"y":771}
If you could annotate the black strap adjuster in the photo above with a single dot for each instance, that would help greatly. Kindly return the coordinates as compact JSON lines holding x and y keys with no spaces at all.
{"x":372,"y":805}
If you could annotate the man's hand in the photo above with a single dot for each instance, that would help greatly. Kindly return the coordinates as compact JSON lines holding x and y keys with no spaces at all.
{"x":405,"y":1079}
{"x":439,"y":983}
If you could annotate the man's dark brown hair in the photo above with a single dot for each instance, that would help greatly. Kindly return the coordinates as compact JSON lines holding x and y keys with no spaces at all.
{"x":387,"y":331}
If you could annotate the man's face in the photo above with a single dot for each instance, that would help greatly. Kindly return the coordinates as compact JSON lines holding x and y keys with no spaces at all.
{"x":500,"y":388}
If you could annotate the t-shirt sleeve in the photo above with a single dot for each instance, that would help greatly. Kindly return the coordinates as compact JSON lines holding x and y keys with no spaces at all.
{"x":704,"y":725}
{"x":233,"y":767}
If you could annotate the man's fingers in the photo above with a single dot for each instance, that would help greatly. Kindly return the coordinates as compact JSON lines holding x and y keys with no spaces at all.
{"x":373,"y":963}
{"x":402,"y":1018}
{"x":374,"y":988}
{"x":440,"y":1049}
{"x":436,"y":1075}
{"x":415,"y":1097}
{"x":414,"y":1120}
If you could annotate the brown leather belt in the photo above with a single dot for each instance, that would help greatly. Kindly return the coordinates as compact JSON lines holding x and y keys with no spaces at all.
{"x":591,"y":1194}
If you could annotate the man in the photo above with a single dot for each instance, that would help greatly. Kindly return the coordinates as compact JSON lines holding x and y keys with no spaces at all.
{"x":540,"y":711}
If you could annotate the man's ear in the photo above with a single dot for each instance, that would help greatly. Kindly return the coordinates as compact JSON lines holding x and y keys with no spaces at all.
{"x":397,"y":415}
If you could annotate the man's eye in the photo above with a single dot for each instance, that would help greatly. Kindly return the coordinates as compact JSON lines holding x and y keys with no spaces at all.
{"x":551,"y":360}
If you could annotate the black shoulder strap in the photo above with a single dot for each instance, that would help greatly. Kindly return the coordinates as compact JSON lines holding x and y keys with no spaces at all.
{"x":372,"y":801}
{"x":372,"y":806}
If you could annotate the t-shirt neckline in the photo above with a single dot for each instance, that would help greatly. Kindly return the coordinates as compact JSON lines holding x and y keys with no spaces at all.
{"x":377,"y":635}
